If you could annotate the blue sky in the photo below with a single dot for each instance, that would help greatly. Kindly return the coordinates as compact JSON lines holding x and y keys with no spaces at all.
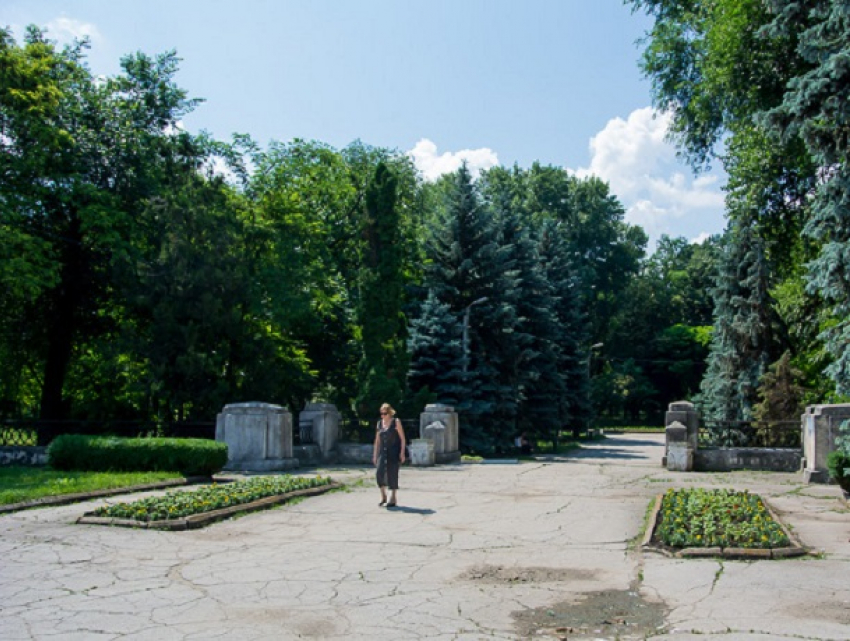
{"x":489,"y":81}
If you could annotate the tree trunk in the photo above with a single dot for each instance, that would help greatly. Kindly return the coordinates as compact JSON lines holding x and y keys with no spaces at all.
{"x":62,"y":326}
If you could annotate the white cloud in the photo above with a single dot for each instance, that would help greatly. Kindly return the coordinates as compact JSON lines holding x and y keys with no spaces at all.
{"x":699,"y":240}
{"x":659,"y":194}
{"x":433,"y":165}
{"x":64,"y":29}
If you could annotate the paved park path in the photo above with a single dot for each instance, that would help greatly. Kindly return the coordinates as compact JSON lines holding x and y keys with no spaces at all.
{"x":542,"y":549}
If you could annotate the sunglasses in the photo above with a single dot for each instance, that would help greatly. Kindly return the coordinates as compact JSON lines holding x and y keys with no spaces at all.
{"x":384,"y":413}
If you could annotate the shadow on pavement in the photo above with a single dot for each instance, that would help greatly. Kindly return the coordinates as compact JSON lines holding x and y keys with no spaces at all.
{"x":410,"y":510}
{"x":611,"y":449}
{"x":607,"y":453}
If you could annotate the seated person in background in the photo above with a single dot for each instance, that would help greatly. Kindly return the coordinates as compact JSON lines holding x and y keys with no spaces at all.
{"x":523,"y":444}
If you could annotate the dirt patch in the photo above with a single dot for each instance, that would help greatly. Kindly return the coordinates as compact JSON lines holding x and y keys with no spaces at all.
{"x":826,"y":611}
{"x":499,"y":574}
{"x":611,"y":614}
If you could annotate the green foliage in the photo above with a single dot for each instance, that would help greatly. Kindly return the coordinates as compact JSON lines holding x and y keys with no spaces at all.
{"x":180,"y":504}
{"x":712,"y":67}
{"x":838,"y":464}
{"x":137,"y":282}
{"x":383,"y":367}
{"x":435,"y":348}
{"x":815,"y":109}
{"x":468,"y":271}
{"x":717,"y":518}
{"x":571,"y":327}
{"x":190,"y":457}
{"x":746,"y":336}
{"x":656,"y":327}
{"x":623,"y":388}
{"x":781,"y":396}
{"x":770,"y":81}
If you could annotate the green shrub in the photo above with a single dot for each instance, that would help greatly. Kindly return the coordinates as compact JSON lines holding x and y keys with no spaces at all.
{"x":189,"y":456}
{"x":838,"y":464}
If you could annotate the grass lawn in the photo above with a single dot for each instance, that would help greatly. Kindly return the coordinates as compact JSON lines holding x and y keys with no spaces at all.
{"x":19,"y":483}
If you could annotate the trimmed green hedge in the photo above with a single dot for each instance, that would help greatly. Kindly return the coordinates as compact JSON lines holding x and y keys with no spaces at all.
{"x":189,"y":456}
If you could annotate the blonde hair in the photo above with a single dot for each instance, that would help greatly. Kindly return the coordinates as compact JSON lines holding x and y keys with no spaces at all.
{"x":386,"y":407}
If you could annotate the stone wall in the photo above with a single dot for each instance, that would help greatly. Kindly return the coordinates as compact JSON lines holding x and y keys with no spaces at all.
{"x":726,"y":459}
{"x":354,"y":453}
{"x":308,"y":455}
{"x":23,"y":455}
{"x":683,"y":453}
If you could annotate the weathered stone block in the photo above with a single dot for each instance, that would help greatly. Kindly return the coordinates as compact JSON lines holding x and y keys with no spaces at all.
{"x":324,"y":420}
{"x":820,"y":426}
{"x":258,"y":437}
{"x":421,"y":452}
{"x":440,"y":424}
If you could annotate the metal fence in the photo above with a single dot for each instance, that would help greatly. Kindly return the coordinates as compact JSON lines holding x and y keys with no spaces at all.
{"x":38,"y":432}
{"x":353,"y":430}
{"x":776,"y":434}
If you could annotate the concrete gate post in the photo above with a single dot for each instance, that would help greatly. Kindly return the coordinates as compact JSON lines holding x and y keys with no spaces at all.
{"x":820,"y":425}
{"x":325,"y":420}
{"x":439,"y":423}
{"x":258,"y":437}
{"x":684,"y":413}
{"x":680,"y":456}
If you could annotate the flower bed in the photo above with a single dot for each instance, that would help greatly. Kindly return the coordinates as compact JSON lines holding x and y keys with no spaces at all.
{"x":720,"y":522}
{"x":220,"y":499}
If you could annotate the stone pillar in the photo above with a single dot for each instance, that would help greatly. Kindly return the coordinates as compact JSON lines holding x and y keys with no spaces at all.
{"x":258,"y":437}
{"x":685,"y":413}
{"x":325,"y":421}
{"x":439,"y":423}
{"x":680,"y":455}
{"x":421,"y":452}
{"x":820,"y":426}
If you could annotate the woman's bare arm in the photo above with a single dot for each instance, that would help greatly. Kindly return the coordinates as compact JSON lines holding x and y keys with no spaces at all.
{"x":400,"y":431}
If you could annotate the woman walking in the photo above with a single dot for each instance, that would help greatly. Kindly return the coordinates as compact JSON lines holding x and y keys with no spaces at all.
{"x":388,"y":453}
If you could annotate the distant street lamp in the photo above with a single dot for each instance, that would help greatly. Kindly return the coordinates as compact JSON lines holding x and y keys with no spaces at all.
{"x":590,"y":390}
{"x":590,"y":356}
{"x":483,"y":299}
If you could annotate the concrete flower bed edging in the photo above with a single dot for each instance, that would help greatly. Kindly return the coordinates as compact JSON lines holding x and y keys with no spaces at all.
{"x":206,"y":518}
{"x":78,"y":497}
{"x":650,"y":542}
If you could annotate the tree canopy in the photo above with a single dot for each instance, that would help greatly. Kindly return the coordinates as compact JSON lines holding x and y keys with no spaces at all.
{"x":153,"y":274}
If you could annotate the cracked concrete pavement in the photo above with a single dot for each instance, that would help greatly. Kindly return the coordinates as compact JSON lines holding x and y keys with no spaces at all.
{"x":473,"y":551}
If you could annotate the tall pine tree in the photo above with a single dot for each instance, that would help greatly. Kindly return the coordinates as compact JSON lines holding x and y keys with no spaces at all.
{"x":436,"y":353}
{"x":817,"y":109}
{"x":745,"y":339}
{"x":574,"y":405}
{"x":468,"y":271}
{"x":538,"y":385}
{"x":383,"y":367}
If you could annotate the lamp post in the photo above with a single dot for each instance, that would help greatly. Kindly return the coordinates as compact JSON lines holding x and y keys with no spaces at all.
{"x":590,"y":356}
{"x":589,"y":386}
{"x":483,"y":299}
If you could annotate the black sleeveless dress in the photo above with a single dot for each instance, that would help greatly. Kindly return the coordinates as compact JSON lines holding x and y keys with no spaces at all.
{"x":389,"y":452}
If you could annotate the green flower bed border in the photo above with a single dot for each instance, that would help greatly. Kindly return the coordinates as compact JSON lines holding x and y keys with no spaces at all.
{"x":651,"y":542}
{"x":203,"y":519}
